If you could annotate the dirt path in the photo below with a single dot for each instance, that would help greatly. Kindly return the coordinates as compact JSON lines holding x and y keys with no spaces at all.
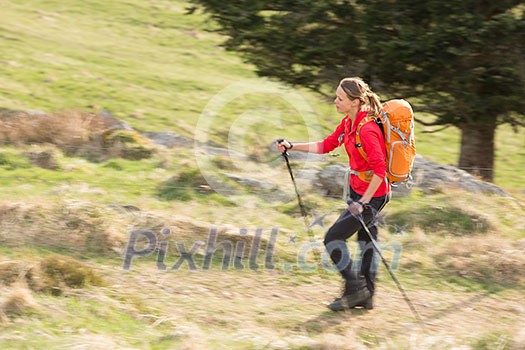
{"x":281,"y":310}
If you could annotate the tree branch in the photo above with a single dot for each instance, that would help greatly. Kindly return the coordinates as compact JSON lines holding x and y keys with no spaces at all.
{"x":437,"y":130}
{"x":434,"y":123}
{"x":517,"y":123}
{"x":430,"y":108}
{"x":323,"y":94}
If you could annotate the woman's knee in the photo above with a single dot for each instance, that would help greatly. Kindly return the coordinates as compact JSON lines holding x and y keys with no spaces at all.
{"x":333,"y":235}
{"x":362,"y":235}
{"x":329,"y":237}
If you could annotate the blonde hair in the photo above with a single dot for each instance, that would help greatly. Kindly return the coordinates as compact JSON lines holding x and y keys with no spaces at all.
{"x":355,"y":87}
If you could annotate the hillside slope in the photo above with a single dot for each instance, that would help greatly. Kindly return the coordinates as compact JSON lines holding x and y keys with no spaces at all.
{"x":151,"y":64}
{"x":74,"y":199}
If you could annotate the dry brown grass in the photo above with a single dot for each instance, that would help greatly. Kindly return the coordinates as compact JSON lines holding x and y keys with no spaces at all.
{"x":275,"y":310}
{"x":13,"y":272}
{"x":53,"y":274}
{"x":191,"y":230}
{"x":61,"y":272}
{"x":489,"y":259}
{"x":17,"y":302}
{"x":66,"y":128}
{"x":75,"y":132}
{"x":93,"y":229}
{"x":44,"y":157}
{"x":75,"y":226}
{"x":194,"y":234}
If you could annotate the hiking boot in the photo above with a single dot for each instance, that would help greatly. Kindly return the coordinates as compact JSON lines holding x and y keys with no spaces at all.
{"x":362,"y":297}
{"x":367,"y":304}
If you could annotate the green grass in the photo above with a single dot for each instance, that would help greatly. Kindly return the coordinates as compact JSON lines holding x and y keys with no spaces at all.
{"x":122,"y":56}
{"x":441,"y":218}
{"x":11,"y":160}
{"x":494,"y":340}
{"x":161,"y":70}
{"x":84,"y":320}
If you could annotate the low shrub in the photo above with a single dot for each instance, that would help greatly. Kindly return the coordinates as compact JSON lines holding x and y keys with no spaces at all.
{"x":63,"y":271}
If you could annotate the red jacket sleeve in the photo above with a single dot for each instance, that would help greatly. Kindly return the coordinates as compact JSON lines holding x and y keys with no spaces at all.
{"x":333,"y":140}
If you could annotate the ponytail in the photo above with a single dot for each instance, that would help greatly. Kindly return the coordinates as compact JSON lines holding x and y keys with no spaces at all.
{"x":374,"y":103}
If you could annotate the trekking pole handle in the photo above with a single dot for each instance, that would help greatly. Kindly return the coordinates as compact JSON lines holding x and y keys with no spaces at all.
{"x":364,"y":206}
{"x":286,"y":144}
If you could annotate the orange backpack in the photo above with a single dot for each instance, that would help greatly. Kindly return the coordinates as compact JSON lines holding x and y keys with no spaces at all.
{"x":397,"y":122}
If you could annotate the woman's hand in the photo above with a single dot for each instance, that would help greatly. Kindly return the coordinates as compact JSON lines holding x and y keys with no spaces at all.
{"x":355,"y":207}
{"x":283,"y":145}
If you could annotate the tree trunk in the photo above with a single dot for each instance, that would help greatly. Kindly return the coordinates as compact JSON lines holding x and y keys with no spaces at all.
{"x":477,"y":149}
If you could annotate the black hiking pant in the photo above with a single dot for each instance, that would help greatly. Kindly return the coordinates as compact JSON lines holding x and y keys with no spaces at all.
{"x":345,"y":227}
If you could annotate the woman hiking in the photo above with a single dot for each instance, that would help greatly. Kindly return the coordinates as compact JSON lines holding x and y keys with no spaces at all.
{"x":368,"y":187}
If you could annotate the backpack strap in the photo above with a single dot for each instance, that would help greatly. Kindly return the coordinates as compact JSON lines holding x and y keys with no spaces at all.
{"x":358,"y":144}
{"x":364,"y":175}
{"x":346,"y":131}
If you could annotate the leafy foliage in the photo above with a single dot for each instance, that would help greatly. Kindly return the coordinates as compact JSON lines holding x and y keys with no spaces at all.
{"x":476,"y":46}
{"x":463,"y":60}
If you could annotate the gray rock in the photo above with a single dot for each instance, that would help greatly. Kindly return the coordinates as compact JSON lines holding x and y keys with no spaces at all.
{"x":427,"y":175}
{"x":251,"y":183}
{"x":168,"y":139}
{"x":431,"y":176}
{"x":217,"y":151}
{"x":110,"y":122}
{"x":308,"y":157}
{"x":331,"y":180}
{"x":311,"y":175}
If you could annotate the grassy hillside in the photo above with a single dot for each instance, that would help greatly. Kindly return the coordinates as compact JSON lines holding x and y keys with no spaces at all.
{"x":70,"y":204}
{"x":157,"y":68}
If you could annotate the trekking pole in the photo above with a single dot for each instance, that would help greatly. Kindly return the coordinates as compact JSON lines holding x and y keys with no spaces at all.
{"x":301,"y":205}
{"x":376,"y":247}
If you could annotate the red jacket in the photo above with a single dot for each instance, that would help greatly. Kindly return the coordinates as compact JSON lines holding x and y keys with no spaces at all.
{"x":373,"y":144}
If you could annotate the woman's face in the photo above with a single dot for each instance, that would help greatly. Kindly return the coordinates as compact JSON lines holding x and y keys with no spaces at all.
{"x":343,"y":104}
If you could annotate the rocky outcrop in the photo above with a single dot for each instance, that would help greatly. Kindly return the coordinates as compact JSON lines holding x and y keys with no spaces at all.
{"x":251,"y":183}
{"x":331,"y":180}
{"x":427,"y":175}
{"x":168,"y":139}
{"x":430,"y":176}
{"x":89,"y":134}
